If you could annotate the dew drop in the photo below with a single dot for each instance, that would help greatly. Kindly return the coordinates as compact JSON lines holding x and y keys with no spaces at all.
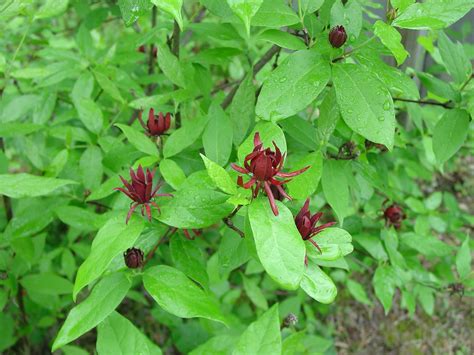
{"x":381,"y":118}
{"x":282,"y":80}
{"x":386,"y":105}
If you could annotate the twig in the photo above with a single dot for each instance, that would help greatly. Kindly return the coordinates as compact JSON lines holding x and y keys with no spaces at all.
{"x":424,"y":102}
{"x":467,"y":82}
{"x":228,"y":221}
{"x":151,"y":57}
{"x":169,"y":232}
{"x":256,"y":68}
{"x":175,"y":50}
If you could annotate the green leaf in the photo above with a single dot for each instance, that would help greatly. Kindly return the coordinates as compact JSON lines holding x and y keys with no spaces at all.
{"x":274,"y":13}
{"x":328,"y":117}
{"x":14,"y":129}
{"x":172,"y":173}
{"x":245,"y":10}
{"x":463,"y":259}
{"x":220,"y":176}
{"x":269,"y":133}
{"x":220,"y":344}
{"x":80,"y":218}
{"x":188,"y":258}
{"x":46,"y":283}
{"x":302,"y":131}
{"x":90,"y":114}
{"x":217,"y":137}
{"x":112,"y":239}
{"x":173,"y":7}
{"x":139,"y":140}
{"x":384,"y":282}
{"x":455,"y":59}
{"x":317,"y":284}
{"x":90,"y":167}
{"x":104,"y":298}
{"x":282,"y":39}
{"x":262,"y":336}
{"x":349,"y":16}
{"x":450,"y":133}
{"x":391,"y":39}
{"x":306,"y":184}
{"x":438,"y":87}
{"x":336,"y":187}
{"x":242,"y":109}
{"x":51,"y":8}
{"x":108,"y":86}
{"x":170,"y":65}
{"x":117,"y":335}
{"x":26,"y":185}
{"x":196,"y":205}
{"x":427,"y":245}
{"x":433,"y":14}
{"x":399,"y":83}
{"x":132,"y":10}
{"x":184,"y":136}
{"x":365,"y":103}
{"x":254,"y":292}
{"x":280,"y":247}
{"x":290,"y":88}
{"x":358,"y":292}
{"x":310,"y":6}
{"x":334,"y":243}
{"x":178,"y":295}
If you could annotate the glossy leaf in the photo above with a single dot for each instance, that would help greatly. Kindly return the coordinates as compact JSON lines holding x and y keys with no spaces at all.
{"x":217,"y":136}
{"x":317,"y":284}
{"x":104,"y":298}
{"x":117,"y":335}
{"x":220,"y":176}
{"x":384,"y":282}
{"x":196,"y":205}
{"x":463,"y":259}
{"x":172,"y":173}
{"x":366,"y":105}
{"x":262,"y":336}
{"x":26,"y":185}
{"x":112,"y":239}
{"x":279,"y":245}
{"x":450,"y":133}
{"x":290,"y":88}
{"x":433,"y":14}
{"x":336,"y":187}
{"x":306,"y":184}
{"x":178,"y":295}
{"x":391,"y":39}
{"x":139,"y":140}
{"x":245,"y":10}
{"x":173,"y":7}
{"x":455,"y":59}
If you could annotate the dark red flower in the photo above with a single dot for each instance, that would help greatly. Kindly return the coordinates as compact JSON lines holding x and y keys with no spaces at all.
{"x":141,"y":191}
{"x":133,"y":258}
{"x":196,"y":232}
{"x":337,"y":36}
{"x":394,"y":216}
{"x":306,"y":224}
{"x":156,"y":124}
{"x":264,"y":167}
{"x":142,"y":49}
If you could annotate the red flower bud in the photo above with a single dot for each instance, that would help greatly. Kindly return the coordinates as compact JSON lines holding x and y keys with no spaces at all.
{"x":141,"y":49}
{"x":306,"y":224}
{"x":337,"y":36}
{"x":394,"y":216}
{"x":133,"y":258}
{"x":156,"y":125}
